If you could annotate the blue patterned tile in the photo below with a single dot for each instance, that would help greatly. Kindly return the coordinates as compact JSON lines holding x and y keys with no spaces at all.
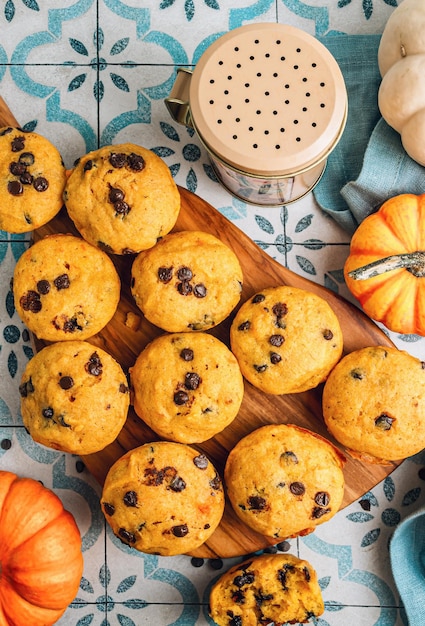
{"x":85,"y":74}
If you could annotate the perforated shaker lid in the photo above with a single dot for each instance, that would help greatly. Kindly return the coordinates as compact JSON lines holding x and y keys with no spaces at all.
{"x":268,"y":99}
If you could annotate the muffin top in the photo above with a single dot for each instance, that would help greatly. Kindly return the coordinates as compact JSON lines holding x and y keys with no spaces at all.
{"x":122,"y":198}
{"x":266,"y":589}
{"x":74,"y":397}
{"x":190,"y":280}
{"x":374,"y":404}
{"x":32,"y":180}
{"x":283,"y":480}
{"x":65,"y":288}
{"x":286,"y":339}
{"x":187,"y":386}
{"x":163,"y":498}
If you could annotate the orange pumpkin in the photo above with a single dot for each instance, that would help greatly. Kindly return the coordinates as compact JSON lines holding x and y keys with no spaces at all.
{"x":41,"y":562}
{"x":385,"y":269}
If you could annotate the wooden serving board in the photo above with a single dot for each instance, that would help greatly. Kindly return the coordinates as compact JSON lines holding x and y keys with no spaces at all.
{"x":232,"y":537}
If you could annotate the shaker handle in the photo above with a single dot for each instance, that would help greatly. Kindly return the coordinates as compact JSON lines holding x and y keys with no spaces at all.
{"x":177,"y":102}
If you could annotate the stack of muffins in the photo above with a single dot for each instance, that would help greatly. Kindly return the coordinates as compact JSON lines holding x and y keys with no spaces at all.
{"x":165,"y":497}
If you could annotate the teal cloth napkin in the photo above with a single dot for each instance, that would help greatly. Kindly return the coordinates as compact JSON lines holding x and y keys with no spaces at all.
{"x":369,"y":164}
{"x":407,"y":554}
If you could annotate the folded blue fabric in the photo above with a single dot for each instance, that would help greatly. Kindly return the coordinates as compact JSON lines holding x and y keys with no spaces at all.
{"x":369,"y":164}
{"x":407,"y":553}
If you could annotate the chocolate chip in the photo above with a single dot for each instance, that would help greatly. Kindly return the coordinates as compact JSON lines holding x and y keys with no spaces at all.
{"x":88,"y":165}
{"x":136,"y":162}
{"x":180,"y":398}
{"x":127,"y":535}
{"x":15,"y":188}
{"x":257,"y":503}
{"x":180,"y":531}
{"x":261,"y":597}
{"x":357,"y":374}
{"x":260,"y":368}
{"x":235,"y":620}
{"x":186,"y":354}
{"x":6,"y":131}
{"x":177,"y":484}
{"x":43,"y":287}
{"x":109,"y":508}
{"x":40,"y":183}
{"x":282,"y":574}
{"x":201,"y":461}
{"x":280,"y":309}
{"x":123,"y":388}
{"x":184,"y":273}
{"x":66,"y":382}
{"x":18,"y":144}
{"x":322,"y":498}
{"x":26,"y":178}
{"x":328,"y":334}
{"x":94,"y":365}
{"x":384,"y":422}
{"x":25,"y":388}
{"x":307,"y":574}
{"x":62,"y":282}
{"x":238,"y":597}
{"x":17,"y":169}
{"x":199,"y":290}
{"x":115,"y":194}
{"x":26,"y":158}
{"x":244,"y":326}
{"x":71,"y":325}
{"x":289,"y":457}
{"x":118,"y":159}
{"x":165,"y":274}
{"x":47,"y":412}
{"x":318,"y":512}
{"x":297,"y":488}
{"x":247,"y":578}
{"x":276,"y":340}
{"x":192,"y":380}
{"x":259,"y":297}
{"x":30,"y":301}
{"x":216,"y":482}
{"x":275,"y":358}
{"x":121,"y":207}
{"x":130,"y":499}
{"x":184,"y":288}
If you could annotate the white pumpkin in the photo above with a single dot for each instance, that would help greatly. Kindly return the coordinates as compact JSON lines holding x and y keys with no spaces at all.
{"x":401,"y":60}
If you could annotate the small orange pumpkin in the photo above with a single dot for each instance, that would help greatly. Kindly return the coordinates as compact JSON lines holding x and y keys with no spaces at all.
{"x":41,"y":562}
{"x":385,"y":269}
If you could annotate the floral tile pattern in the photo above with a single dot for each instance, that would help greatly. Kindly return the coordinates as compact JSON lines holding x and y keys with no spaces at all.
{"x":85,"y":74}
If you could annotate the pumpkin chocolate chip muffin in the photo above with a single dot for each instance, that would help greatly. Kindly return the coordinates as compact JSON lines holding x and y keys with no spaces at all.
{"x":187,"y":386}
{"x":374,"y":404}
{"x":122,"y":198}
{"x":32,"y":177}
{"x":74,"y":397}
{"x":163,"y":498}
{"x":286,"y":340}
{"x":283,"y":480}
{"x":266,"y":589}
{"x":65,"y":288}
{"x":189,"y":281}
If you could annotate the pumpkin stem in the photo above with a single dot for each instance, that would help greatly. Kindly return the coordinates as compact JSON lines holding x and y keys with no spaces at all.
{"x":414,"y":262}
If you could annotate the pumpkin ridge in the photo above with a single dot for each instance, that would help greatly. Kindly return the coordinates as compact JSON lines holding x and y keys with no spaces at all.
{"x":41,"y":561}
{"x":392,"y":225}
{"x":48,"y":571}
{"x":374,"y":290}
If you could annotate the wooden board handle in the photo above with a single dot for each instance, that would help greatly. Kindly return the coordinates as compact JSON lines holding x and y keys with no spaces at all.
{"x":6,"y":116}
